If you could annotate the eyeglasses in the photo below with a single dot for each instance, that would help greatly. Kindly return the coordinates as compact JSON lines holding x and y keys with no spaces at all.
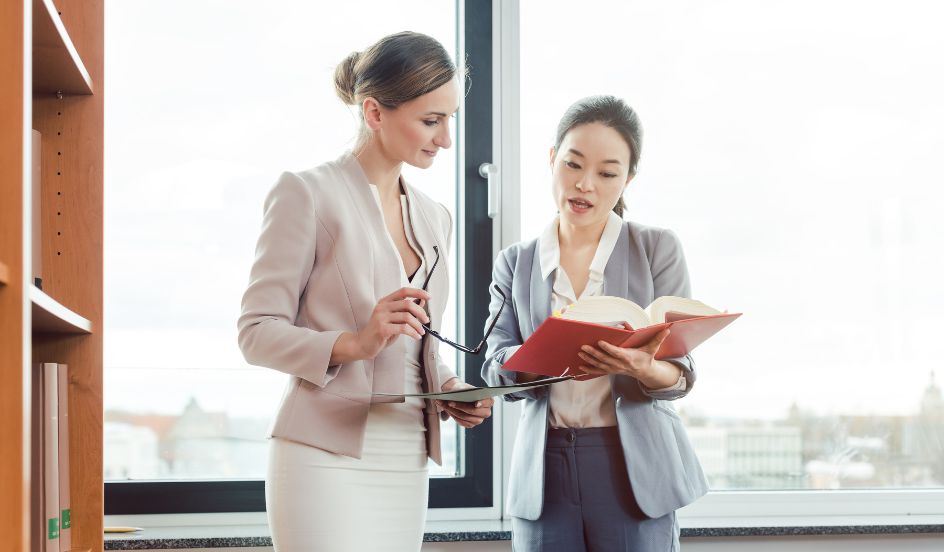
{"x":471,"y":350}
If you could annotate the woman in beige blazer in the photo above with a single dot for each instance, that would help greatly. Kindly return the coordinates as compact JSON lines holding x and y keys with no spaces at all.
{"x":350,"y":273}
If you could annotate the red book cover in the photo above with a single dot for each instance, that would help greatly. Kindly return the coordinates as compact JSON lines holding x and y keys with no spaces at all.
{"x":552,"y":349}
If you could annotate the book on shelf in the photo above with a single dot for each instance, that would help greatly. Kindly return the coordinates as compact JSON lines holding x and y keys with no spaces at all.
{"x":37,"y":451}
{"x":65,"y":502}
{"x":44,"y":423}
{"x":552,"y":349}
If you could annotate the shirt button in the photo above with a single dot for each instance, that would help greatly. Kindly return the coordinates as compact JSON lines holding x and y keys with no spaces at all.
{"x":571,"y":437}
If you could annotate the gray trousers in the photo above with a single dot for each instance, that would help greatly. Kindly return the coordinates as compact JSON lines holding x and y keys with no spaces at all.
{"x":588,"y":501}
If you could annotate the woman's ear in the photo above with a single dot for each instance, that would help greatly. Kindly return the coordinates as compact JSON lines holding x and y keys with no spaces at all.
{"x":372,"y":113}
{"x":553,"y":154}
{"x":629,"y":178}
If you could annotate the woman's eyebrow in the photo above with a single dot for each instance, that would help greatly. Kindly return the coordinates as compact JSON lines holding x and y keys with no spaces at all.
{"x":578,"y":154}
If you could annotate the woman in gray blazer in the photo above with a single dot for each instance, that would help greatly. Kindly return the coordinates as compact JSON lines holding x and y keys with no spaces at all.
{"x":601,"y":464}
{"x":350,"y":279}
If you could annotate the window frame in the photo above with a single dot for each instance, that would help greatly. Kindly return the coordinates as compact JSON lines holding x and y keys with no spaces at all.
{"x":475,"y":489}
{"x":722,"y":508}
{"x":490,"y":457}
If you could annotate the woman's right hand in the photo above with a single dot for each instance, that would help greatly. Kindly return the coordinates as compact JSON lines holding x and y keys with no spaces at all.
{"x":400,"y":313}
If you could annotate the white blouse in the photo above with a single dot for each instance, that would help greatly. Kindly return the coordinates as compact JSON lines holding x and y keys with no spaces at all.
{"x":581,"y":403}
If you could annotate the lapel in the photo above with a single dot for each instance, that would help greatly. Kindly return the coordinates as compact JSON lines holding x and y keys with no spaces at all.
{"x":422,"y":229}
{"x":384,"y":265}
{"x":540,"y":289}
{"x":426,"y":239}
{"x":616,"y":273}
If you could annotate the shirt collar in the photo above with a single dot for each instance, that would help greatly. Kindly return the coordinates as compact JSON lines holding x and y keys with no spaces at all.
{"x":549,"y":247}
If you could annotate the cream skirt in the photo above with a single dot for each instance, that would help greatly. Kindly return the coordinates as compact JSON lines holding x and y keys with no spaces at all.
{"x":318,"y":501}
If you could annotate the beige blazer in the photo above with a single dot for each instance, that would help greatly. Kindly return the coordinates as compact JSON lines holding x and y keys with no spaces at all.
{"x":323,"y":260}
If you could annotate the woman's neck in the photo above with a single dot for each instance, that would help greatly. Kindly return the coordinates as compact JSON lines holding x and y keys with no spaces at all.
{"x":380,"y":169}
{"x":579,"y":237}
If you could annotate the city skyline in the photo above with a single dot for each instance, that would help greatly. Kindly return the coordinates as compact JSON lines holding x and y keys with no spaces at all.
{"x":799,"y":451}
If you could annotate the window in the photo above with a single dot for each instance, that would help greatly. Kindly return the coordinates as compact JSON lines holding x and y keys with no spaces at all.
{"x":207,"y":105}
{"x":794,"y":149}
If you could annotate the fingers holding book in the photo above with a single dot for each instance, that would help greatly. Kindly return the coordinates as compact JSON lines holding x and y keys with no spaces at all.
{"x":636,"y":362}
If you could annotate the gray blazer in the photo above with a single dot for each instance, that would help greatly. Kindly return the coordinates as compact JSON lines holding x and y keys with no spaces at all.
{"x":663,"y":470}
{"x":323,"y":260}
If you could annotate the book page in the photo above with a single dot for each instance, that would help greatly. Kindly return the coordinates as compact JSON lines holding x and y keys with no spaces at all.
{"x":679,"y":306}
{"x":607,"y":310}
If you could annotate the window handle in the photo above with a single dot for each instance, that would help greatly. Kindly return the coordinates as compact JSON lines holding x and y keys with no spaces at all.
{"x":490,"y":173}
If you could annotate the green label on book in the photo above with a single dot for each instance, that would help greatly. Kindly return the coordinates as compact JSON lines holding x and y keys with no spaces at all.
{"x":53,"y":529}
{"x":66,"y":519}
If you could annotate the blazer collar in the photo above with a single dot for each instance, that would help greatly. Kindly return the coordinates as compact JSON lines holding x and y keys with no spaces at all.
{"x":362,"y":196}
{"x":615,"y":277}
{"x":422,"y":229}
{"x":549,"y":246}
{"x":540,"y":289}
{"x":616,"y":273}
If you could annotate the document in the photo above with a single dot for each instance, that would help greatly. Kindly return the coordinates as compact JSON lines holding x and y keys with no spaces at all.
{"x":473,"y":394}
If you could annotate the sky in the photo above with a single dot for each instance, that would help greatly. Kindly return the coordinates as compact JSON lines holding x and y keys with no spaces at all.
{"x":794,"y":149}
{"x":792,"y":146}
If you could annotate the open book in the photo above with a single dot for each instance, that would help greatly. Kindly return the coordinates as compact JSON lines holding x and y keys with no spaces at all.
{"x":613,"y":311}
{"x":552,"y":349}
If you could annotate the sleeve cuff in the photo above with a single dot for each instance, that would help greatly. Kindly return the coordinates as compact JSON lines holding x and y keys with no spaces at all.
{"x":322,"y":371}
{"x":679,"y":385}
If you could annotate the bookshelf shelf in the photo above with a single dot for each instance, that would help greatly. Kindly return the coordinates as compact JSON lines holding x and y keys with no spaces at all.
{"x":57,"y":66}
{"x":4,"y":274}
{"x":51,"y":317}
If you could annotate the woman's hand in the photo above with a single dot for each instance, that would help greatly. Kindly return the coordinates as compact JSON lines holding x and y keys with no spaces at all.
{"x":400,"y":313}
{"x":639,"y":363}
{"x":466,"y":414}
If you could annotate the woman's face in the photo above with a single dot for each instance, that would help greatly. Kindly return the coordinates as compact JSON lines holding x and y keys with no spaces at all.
{"x":589,"y":173}
{"x":416,"y":130}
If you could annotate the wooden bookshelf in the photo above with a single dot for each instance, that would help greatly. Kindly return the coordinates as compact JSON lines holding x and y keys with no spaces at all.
{"x":57,"y":66}
{"x":14,"y":355}
{"x":63,"y":321}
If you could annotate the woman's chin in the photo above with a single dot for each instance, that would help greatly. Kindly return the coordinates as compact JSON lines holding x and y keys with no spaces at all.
{"x":579,"y":219}
{"x":422,"y":161}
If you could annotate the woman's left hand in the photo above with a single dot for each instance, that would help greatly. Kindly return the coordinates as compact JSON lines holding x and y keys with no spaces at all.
{"x":639,"y":363}
{"x":466,"y":414}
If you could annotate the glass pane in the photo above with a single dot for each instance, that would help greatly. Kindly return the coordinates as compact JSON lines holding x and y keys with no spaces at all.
{"x":207,"y":104}
{"x":794,"y":147}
